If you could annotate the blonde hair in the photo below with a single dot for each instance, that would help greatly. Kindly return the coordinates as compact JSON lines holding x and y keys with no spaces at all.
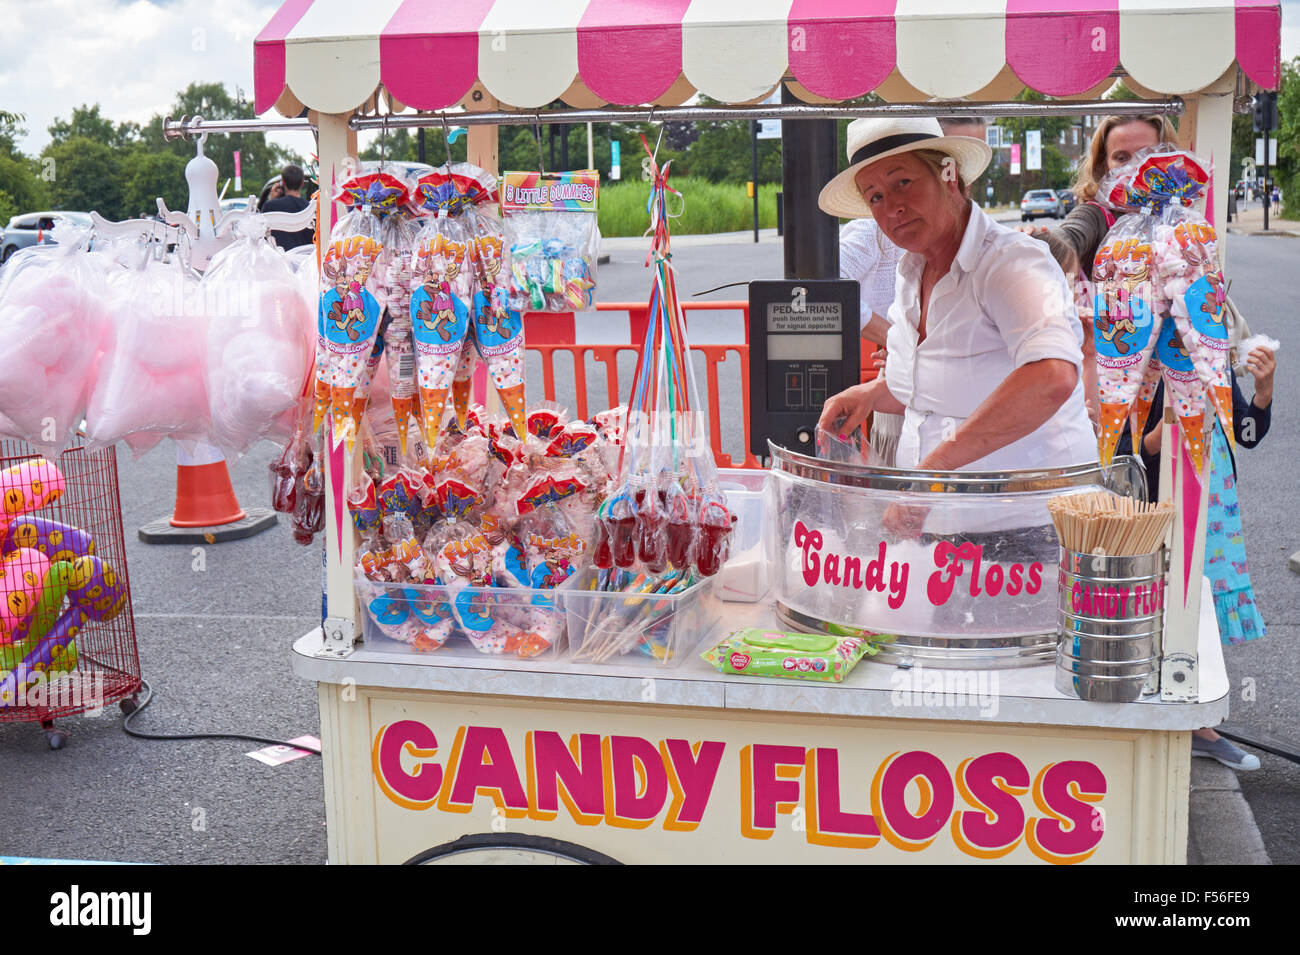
{"x":1092,"y":168}
{"x":940,"y":163}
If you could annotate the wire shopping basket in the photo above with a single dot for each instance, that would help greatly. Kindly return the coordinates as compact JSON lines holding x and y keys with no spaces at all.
{"x":67,"y":633}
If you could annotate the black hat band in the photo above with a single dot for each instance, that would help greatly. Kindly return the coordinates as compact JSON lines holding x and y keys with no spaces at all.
{"x":886,"y":143}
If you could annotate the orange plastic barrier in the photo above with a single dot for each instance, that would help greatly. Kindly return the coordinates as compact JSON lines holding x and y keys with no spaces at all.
{"x":548,"y":332}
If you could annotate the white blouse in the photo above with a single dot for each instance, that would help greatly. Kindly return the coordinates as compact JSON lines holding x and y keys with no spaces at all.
{"x":1004,"y":303}
{"x":869,"y":257}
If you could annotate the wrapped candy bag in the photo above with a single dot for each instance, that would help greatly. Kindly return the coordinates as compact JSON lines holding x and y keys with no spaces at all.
{"x":258,"y":354}
{"x":156,"y":346}
{"x":350,"y":310}
{"x":552,"y":238}
{"x":52,"y":320}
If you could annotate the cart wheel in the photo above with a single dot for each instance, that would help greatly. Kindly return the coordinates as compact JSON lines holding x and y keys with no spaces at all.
{"x":128,"y":705}
{"x":56,"y":738}
{"x":489,"y":848}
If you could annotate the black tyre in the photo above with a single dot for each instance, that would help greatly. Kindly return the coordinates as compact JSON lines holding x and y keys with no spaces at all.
{"x":4,"y":257}
{"x":521,"y":847}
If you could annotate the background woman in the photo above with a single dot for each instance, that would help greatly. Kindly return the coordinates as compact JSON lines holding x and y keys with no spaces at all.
{"x":1113,"y":144}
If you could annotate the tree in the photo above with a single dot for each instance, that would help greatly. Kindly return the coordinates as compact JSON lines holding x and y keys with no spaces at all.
{"x":1288,"y":138}
{"x":1056,"y":168}
{"x":87,"y":123}
{"x":85,"y":177}
{"x":147,"y":176}
{"x":259,"y":159}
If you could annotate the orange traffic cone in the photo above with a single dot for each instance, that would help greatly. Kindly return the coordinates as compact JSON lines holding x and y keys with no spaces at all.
{"x":207,"y":510}
{"x":205,"y":497}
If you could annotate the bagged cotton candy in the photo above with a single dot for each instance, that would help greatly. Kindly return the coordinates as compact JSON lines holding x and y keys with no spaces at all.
{"x":259,"y":352}
{"x":150,"y":380}
{"x":52,"y":321}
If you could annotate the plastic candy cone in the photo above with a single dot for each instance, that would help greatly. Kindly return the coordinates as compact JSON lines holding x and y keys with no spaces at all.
{"x":322,"y":404}
{"x":460,"y":401}
{"x":1222,"y":395}
{"x":403,"y":413}
{"x":343,"y":401}
{"x":1193,"y":431}
{"x":513,"y":399}
{"x":1113,"y":415}
{"x":432,"y":401}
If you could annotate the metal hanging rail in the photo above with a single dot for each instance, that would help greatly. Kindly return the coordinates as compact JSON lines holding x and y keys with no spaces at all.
{"x":186,"y":127}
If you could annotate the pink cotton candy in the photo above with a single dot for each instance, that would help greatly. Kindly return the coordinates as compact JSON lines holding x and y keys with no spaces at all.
{"x":150,"y":378}
{"x":260,"y":348}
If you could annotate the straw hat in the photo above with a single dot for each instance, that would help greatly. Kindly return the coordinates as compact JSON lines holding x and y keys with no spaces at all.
{"x":871,"y":140}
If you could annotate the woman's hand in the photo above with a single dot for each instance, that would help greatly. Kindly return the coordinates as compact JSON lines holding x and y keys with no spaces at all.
{"x":878,"y":361}
{"x":846,"y":411}
{"x":1261,"y":364}
{"x":904,"y":521}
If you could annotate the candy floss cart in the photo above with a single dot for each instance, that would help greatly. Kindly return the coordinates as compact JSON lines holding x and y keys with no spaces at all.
{"x":954,"y":742}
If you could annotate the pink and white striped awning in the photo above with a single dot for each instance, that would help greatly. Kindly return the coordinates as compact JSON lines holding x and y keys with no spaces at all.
{"x":333,"y":55}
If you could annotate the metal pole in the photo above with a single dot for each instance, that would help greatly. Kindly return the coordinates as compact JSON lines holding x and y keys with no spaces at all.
{"x":753,"y":135}
{"x":591,"y":146}
{"x":1268,"y":191}
{"x":419,"y":144}
{"x":186,"y":128}
{"x":808,"y":162}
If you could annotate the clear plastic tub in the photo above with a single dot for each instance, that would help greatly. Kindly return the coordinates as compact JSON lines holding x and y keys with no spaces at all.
{"x":628,"y":628}
{"x":959,"y":566}
{"x":747,"y":575}
{"x":514,"y":622}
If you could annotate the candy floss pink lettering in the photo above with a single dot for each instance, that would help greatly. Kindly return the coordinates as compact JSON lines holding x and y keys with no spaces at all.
{"x":847,"y":571}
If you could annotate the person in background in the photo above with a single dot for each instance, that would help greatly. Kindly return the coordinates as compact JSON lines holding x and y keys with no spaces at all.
{"x":868,"y":256}
{"x":1225,"y":546}
{"x":1116,"y":140}
{"x":291,"y":201}
{"x":1277,"y":201}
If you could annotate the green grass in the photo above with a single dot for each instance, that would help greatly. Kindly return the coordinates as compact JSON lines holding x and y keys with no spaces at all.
{"x":710,"y":207}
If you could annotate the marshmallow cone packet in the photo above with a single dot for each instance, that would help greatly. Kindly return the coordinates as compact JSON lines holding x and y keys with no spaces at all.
{"x":497,"y":328}
{"x":352,"y":291}
{"x":440,"y":319}
{"x":1183,"y":388}
{"x":1187,"y":259}
{"x":1124,"y":322}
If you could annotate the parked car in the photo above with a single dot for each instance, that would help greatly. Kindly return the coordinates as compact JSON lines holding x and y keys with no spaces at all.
{"x":1040,"y":202}
{"x":33,"y":228}
{"x":1068,"y":200}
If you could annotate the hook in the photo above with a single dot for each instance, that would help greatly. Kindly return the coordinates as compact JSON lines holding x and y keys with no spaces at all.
{"x":446,"y":141}
{"x":196,"y":122}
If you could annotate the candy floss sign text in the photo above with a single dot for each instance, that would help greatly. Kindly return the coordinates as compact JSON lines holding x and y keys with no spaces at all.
{"x":952,"y":560}
{"x":988,"y":805}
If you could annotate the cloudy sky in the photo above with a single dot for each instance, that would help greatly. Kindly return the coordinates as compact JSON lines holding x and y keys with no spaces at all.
{"x":133,"y":56}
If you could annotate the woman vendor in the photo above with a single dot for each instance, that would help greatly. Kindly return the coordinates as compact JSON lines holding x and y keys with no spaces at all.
{"x":984,"y":346}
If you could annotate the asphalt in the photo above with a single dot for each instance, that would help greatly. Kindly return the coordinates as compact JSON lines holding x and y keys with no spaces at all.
{"x":214,"y":627}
